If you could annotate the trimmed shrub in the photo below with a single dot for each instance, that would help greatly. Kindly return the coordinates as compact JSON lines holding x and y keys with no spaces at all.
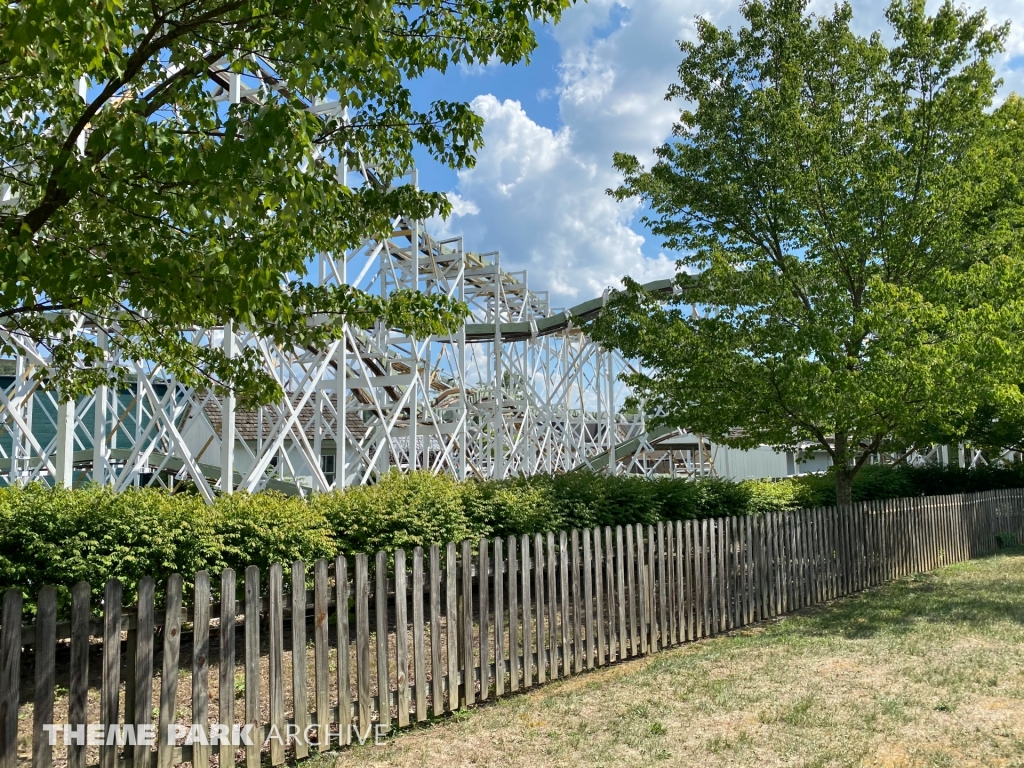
{"x":59,"y":537}
{"x":399,"y":512}
{"x":265,"y":528}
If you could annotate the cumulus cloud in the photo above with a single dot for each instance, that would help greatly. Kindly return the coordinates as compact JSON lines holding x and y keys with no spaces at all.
{"x":537,"y":194}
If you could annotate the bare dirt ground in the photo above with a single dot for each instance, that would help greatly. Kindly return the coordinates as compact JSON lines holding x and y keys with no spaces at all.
{"x":927,"y":671}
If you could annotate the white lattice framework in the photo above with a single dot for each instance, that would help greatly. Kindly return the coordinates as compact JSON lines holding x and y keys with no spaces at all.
{"x":519,"y":389}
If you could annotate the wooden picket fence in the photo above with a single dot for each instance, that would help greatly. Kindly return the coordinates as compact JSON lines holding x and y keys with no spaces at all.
{"x":448,"y":627}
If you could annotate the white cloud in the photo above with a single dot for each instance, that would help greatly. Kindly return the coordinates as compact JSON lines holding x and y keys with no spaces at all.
{"x":541,"y":200}
{"x":538,"y":195}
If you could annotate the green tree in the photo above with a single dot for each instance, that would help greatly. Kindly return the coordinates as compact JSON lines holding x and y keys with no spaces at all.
{"x":135,"y":200}
{"x":849,"y":265}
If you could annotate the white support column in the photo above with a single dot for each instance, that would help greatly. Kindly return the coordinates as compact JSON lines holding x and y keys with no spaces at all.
{"x":610,"y":359}
{"x":463,"y":400}
{"x":63,"y":467}
{"x":20,"y":451}
{"x":414,"y":348}
{"x":341,"y":460}
{"x":227,"y":421}
{"x":100,"y":447}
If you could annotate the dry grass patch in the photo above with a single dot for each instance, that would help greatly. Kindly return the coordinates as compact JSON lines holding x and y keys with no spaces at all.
{"x":925,"y":672}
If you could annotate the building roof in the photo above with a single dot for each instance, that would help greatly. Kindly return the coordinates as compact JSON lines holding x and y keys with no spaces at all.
{"x":250,"y":427}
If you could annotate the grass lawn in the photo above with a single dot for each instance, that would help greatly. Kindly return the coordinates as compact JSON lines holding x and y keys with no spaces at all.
{"x":927,"y":671}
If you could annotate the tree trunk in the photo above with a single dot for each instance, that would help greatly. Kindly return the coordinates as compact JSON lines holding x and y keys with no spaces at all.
{"x":844,"y":472}
{"x":844,"y":487}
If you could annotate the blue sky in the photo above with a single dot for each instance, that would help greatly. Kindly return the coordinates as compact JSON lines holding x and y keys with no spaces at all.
{"x":596,"y":85}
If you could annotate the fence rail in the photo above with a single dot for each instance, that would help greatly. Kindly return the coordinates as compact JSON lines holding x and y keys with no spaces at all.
{"x":404,"y":637}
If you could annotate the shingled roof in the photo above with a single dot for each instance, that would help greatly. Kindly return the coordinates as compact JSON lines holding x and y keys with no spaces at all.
{"x":248,"y":425}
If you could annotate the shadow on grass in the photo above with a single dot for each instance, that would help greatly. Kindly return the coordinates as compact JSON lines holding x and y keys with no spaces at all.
{"x":991,"y":591}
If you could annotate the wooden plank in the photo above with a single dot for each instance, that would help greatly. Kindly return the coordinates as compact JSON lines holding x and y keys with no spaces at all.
{"x":252,"y":662}
{"x":641,"y":588}
{"x":451,"y":607}
{"x":780,"y":546}
{"x":812,"y":557}
{"x":758,"y":567}
{"x":792,"y":562}
{"x":300,"y":692}
{"x":527,"y":621}
{"x":722,"y":528}
{"x":380,"y":607}
{"x":672,"y":570}
{"x":776,"y":564}
{"x":652,"y":588}
{"x":821,"y":547}
{"x":743,"y":557}
{"x":515,"y":624}
{"x":226,"y":664}
{"x":276,"y":672}
{"x":690,"y":592}
{"x":804,"y":579}
{"x":466,"y":626}
{"x":538,"y":584}
{"x":364,"y":673}
{"x":402,"y":638}
{"x":452,"y":623}
{"x":800,"y":558}
{"x":483,"y":600}
{"x":714,"y":584}
{"x":814,"y":550}
{"x":620,"y":588}
{"x":634,"y":641}
{"x":609,"y":593}
{"x":680,"y":581}
{"x":10,"y":676}
{"x":437,"y":672}
{"x":201,"y":665}
{"x":752,"y":559}
{"x":419,"y":651}
{"x":861,"y":547}
{"x":824,"y":551}
{"x":739,"y":566}
{"x":45,"y":672}
{"x":565,"y":611}
{"x":599,"y":625}
{"x":746,"y":555}
{"x":552,"y":599}
{"x":702,"y":569}
{"x":577,"y":616}
{"x":729,"y":560}
{"x":342,"y":593}
{"x":663,"y":628}
{"x":735,"y":562}
{"x":588,"y":597}
{"x":168,"y":673}
{"x":111,"y":680}
{"x":322,"y":654}
{"x":141,"y":715}
{"x":499,"y":618}
{"x":700,"y":577}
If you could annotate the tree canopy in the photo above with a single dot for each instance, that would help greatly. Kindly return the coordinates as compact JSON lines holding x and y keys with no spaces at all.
{"x":848,"y":213}
{"x":134,"y":200}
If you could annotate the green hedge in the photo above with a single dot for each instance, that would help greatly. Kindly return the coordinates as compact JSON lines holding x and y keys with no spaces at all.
{"x":59,"y":537}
